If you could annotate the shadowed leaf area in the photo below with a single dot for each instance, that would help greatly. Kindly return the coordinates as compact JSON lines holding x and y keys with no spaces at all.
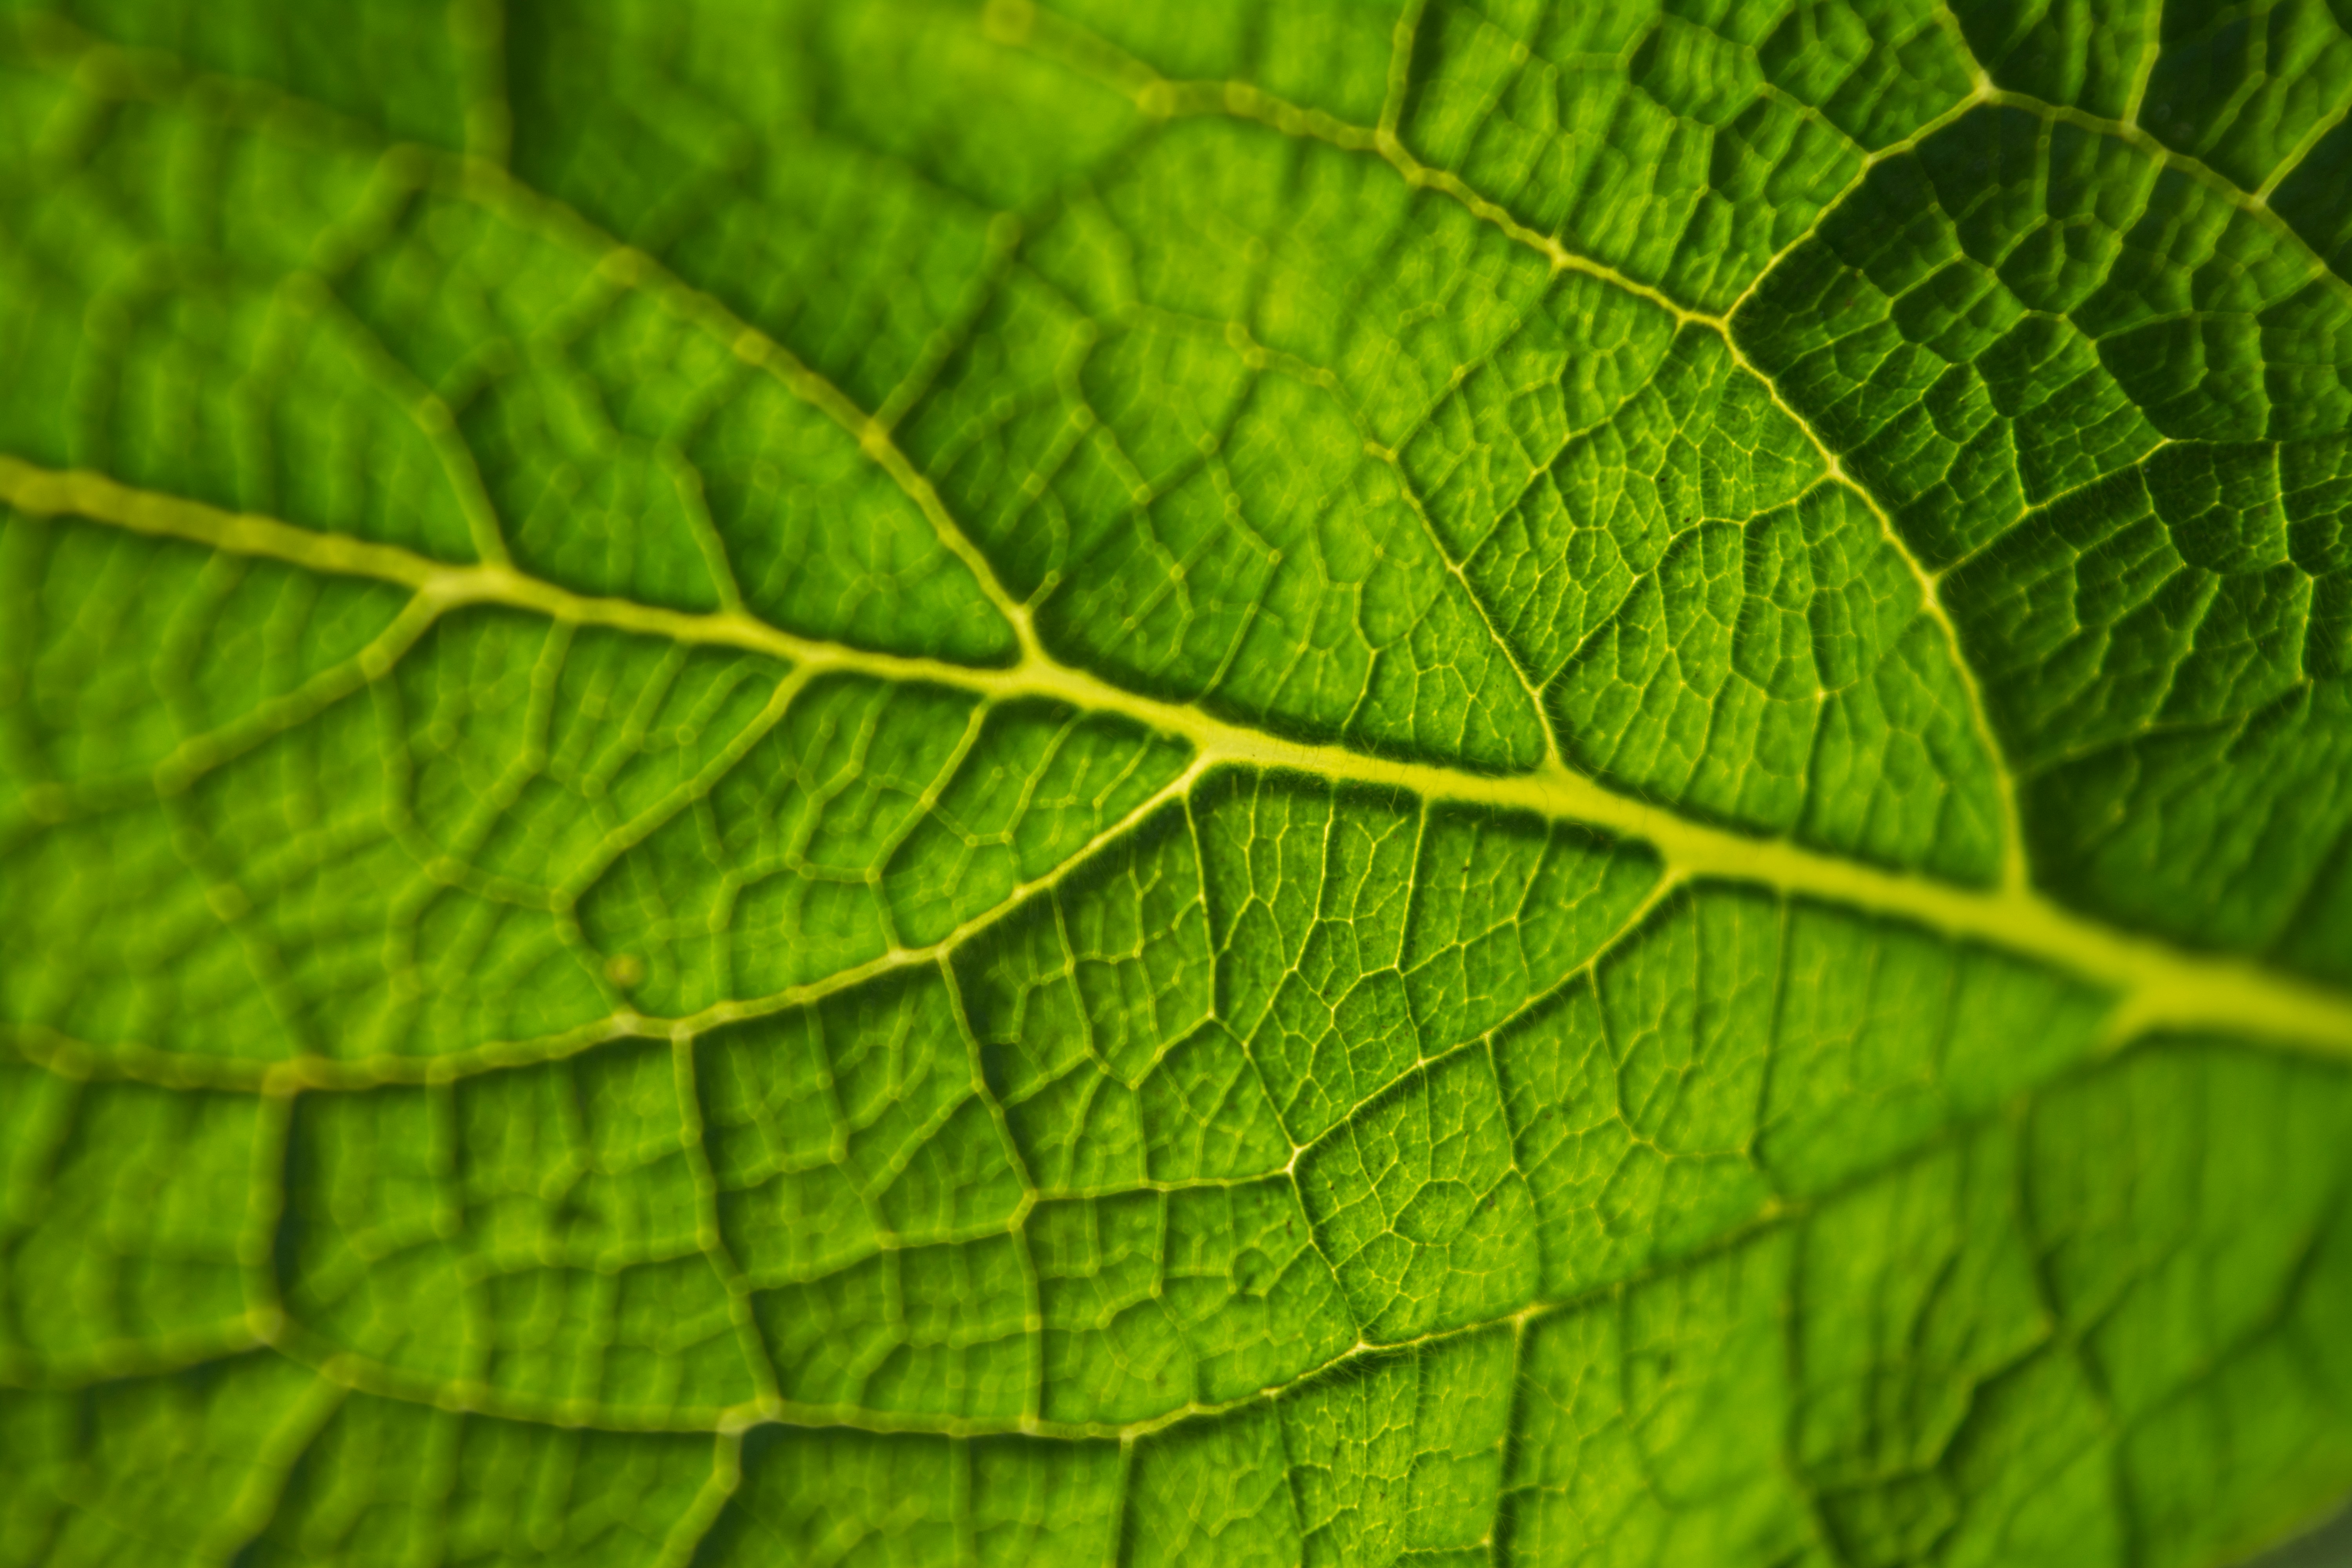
{"x":878,"y":783}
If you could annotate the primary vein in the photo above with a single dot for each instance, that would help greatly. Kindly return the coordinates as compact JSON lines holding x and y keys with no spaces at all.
{"x":2157,"y":986}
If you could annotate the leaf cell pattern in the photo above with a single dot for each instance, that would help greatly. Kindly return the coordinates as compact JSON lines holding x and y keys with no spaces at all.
{"x":908,"y":782}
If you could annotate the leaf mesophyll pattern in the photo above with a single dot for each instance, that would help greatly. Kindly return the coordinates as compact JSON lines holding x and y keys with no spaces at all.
{"x":1430,"y":783}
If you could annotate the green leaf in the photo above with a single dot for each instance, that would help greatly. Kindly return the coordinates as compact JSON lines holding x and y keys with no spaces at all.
{"x":901,"y":783}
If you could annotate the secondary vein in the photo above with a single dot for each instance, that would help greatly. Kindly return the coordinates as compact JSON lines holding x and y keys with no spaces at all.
{"x":1056,"y":38}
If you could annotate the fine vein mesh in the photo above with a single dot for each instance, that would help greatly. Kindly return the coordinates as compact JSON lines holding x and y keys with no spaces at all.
{"x":905,"y":783}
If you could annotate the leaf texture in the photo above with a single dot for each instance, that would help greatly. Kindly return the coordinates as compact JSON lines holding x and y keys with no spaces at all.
{"x":1429,"y":783}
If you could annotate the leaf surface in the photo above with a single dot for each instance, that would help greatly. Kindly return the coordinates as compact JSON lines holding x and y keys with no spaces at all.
{"x":899,"y":784}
